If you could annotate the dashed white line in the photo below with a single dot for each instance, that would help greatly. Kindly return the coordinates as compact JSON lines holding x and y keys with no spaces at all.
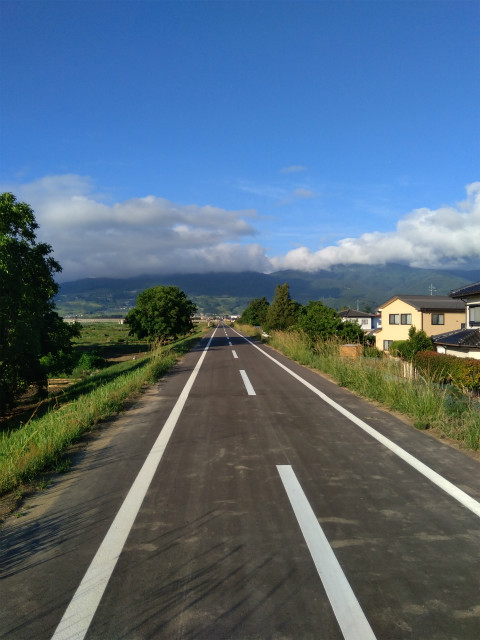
{"x":234,"y":353}
{"x":441,"y":482}
{"x":247,"y":383}
{"x":347,"y":610}
{"x":79,"y":614}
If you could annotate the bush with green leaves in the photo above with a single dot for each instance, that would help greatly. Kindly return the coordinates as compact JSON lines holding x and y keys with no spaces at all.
{"x":88,"y":362}
{"x":407,"y":349}
{"x":320,"y":322}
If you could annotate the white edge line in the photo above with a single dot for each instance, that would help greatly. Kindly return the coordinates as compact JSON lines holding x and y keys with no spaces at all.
{"x":247,"y":383}
{"x":79,"y":613}
{"x":441,"y":482}
{"x":347,"y":609}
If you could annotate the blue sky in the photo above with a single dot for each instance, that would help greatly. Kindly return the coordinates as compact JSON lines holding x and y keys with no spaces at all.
{"x":155,"y":136}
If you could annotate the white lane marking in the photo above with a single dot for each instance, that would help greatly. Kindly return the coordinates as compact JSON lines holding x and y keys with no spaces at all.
{"x":247,"y":383}
{"x":347,"y":610}
{"x":78,"y":616}
{"x":234,"y":354}
{"x":229,"y":343}
{"x":441,"y":482}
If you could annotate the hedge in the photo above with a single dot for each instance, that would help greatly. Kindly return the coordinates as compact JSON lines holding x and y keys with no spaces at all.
{"x":462,"y":372}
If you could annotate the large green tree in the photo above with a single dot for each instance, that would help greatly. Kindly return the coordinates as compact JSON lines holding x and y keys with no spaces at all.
{"x":162,"y":313}
{"x":282,"y":313}
{"x":256,"y":312}
{"x":30,"y":328}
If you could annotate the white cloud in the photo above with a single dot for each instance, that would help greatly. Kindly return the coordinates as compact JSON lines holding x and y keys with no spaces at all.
{"x":438,"y":238}
{"x":92,"y":237}
{"x":140,"y":235}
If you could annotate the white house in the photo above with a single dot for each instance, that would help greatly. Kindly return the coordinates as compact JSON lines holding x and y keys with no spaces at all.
{"x":465,"y":342}
{"x":368,"y":321}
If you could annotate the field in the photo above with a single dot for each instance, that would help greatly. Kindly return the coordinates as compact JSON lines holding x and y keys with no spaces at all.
{"x":35,"y":439}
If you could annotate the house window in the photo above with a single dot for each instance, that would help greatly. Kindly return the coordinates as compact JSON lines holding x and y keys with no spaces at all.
{"x":394,"y":318}
{"x":406,"y":318}
{"x":386,"y":344}
{"x":364,"y":321}
{"x":474,"y":315}
{"x":438,"y":318}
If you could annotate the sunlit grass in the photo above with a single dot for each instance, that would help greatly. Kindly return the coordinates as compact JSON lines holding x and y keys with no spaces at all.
{"x":38,"y":445}
{"x":427,"y":404}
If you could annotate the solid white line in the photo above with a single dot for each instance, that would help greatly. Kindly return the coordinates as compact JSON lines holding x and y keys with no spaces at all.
{"x":78,"y":616}
{"x":347,"y":610}
{"x":247,"y":383}
{"x":234,"y":354}
{"x":441,"y":482}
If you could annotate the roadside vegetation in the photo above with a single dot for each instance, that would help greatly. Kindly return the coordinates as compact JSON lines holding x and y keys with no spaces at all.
{"x":429,"y":405}
{"x":32,"y":444}
{"x":434,"y":391}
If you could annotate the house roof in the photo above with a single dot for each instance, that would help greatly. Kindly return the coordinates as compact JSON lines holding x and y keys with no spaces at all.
{"x":352,"y":313}
{"x":428,"y":303}
{"x":470,"y":290}
{"x":459,"y":338}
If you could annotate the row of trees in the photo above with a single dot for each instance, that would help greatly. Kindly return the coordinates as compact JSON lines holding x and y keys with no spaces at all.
{"x":315,"y":319}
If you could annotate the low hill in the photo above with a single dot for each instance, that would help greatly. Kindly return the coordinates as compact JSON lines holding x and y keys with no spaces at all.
{"x":357,"y":286}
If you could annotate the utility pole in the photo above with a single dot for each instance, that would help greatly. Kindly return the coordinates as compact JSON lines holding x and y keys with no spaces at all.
{"x":431,"y":288}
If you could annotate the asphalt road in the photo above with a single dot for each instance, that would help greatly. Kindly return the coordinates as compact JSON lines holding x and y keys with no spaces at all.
{"x":234,"y":500}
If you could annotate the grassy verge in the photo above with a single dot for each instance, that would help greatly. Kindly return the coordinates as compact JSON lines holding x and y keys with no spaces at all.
{"x":40,"y":444}
{"x":428,"y":405}
{"x":248,"y":330}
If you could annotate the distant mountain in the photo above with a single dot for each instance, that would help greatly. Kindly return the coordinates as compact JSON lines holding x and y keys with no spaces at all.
{"x":229,"y":293}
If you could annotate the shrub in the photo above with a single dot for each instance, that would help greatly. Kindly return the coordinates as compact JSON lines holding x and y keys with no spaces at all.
{"x":89,"y":361}
{"x":462,"y":372}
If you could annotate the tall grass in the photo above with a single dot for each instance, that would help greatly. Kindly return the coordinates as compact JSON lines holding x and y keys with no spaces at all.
{"x":40,"y":444}
{"x":427,"y":404}
{"x":249,"y":330}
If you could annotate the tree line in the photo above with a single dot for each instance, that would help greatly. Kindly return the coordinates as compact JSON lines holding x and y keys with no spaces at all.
{"x":315,"y":319}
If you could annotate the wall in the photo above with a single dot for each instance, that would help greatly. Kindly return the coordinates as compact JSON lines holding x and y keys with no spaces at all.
{"x":397,"y":331}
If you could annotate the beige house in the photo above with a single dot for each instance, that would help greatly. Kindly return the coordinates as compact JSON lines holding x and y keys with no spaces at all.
{"x":432,"y":314}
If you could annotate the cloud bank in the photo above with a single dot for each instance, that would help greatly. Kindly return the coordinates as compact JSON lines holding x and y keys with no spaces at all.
{"x":140,"y":235}
{"x":448,"y":237}
{"x":153,"y":235}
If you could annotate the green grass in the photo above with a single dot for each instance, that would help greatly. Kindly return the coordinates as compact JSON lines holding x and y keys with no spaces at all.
{"x":38,"y":445}
{"x":428,"y":405}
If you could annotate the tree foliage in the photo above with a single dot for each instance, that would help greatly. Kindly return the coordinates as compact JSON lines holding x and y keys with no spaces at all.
{"x":256,"y":312}
{"x":320,"y":322}
{"x":407,"y":349}
{"x":162,"y":313}
{"x":30,"y":328}
{"x":282,"y":313}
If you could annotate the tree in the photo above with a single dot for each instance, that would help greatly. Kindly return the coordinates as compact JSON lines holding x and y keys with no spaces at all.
{"x":162,"y":313}
{"x":29,"y":326}
{"x":282,"y":313}
{"x":320,"y":322}
{"x":256,"y":312}
{"x":407,"y":349}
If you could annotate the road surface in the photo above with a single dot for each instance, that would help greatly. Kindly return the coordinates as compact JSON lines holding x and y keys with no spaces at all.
{"x":247,"y":497}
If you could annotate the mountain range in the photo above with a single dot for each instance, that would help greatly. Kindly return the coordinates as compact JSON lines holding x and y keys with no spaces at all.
{"x":362,"y":287}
